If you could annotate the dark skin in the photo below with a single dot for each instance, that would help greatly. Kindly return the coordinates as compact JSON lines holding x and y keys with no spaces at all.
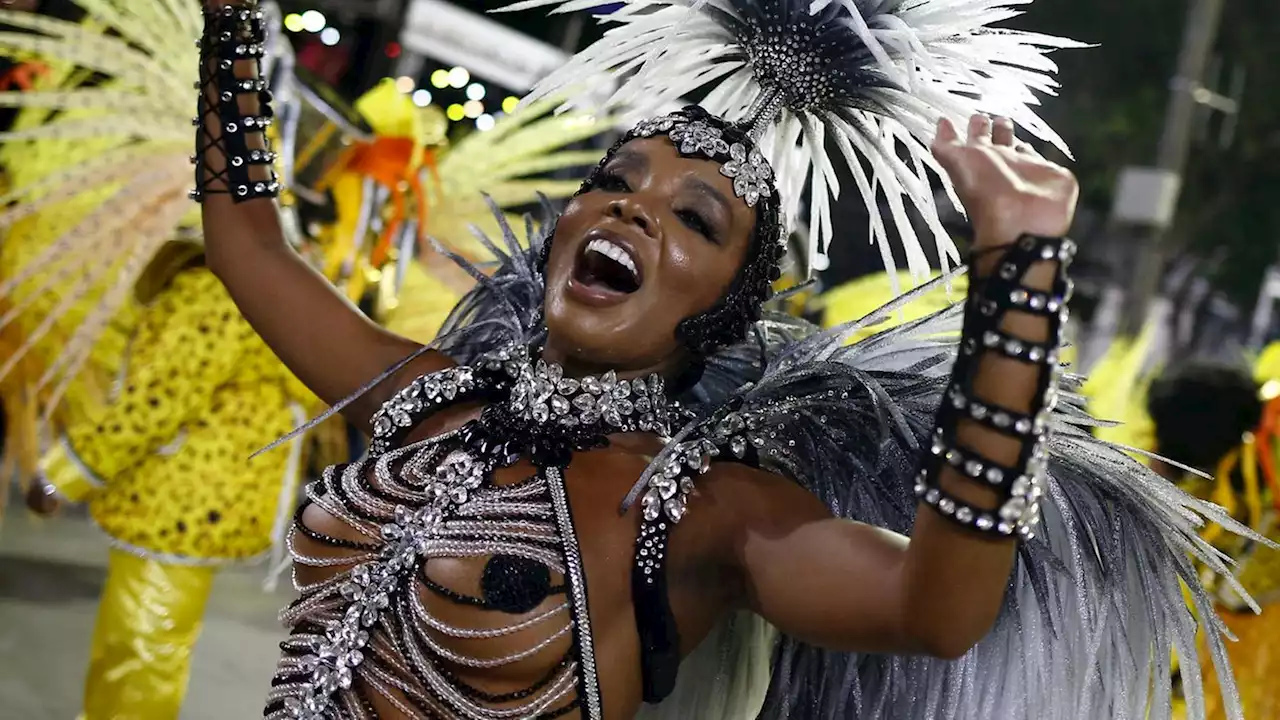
{"x":753,"y":540}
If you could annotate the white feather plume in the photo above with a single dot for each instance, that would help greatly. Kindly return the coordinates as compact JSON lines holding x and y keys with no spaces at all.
{"x":942,"y":58}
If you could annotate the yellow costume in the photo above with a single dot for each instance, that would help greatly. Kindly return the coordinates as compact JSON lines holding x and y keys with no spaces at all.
{"x":127,"y":358}
{"x":1255,"y":656}
{"x":1246,"y":483}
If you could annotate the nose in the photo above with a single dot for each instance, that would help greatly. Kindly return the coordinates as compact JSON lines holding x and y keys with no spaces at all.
{"x":630,"y":210}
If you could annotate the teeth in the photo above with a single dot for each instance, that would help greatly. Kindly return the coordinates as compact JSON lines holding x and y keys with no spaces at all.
{"x":614,"y":252}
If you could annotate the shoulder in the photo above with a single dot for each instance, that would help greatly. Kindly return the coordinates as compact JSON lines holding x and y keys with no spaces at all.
{"x":746,"y":500}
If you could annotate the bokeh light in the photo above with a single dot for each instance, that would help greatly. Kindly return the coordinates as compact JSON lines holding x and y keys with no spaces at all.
{"x":454,"y":112}
{"x":459,"y":77}
{"x":313,"y":21}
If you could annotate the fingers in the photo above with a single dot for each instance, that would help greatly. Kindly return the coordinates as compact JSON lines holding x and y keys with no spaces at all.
{"x":1002,"y":132}
{"x":980,"y":130}
{"x":947,"y":133}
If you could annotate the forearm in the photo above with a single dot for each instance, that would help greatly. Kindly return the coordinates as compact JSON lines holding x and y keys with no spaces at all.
{"x":323,"y":339}
{"x":984,"y":464}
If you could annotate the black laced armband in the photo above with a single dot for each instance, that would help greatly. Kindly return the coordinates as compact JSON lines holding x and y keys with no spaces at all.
{"x":234,"y":40}
{"x":1019,"y":487}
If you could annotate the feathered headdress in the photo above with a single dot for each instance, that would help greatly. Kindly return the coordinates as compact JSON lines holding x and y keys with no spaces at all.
{"x":869,"y":78}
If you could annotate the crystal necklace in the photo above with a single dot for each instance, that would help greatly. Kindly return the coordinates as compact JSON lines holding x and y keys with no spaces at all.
{"x":437,"y":499}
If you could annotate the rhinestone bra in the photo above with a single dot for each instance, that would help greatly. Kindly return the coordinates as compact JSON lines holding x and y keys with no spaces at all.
{"x":375,"y":630}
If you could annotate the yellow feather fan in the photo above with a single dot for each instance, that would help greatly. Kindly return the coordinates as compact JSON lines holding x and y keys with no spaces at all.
{"x":99,"y":174}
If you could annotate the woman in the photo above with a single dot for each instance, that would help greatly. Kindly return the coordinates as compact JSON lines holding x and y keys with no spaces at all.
{"x":476,"y":564}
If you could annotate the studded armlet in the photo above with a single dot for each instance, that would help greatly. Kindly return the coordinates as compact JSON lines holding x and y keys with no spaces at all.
{"x":233,"y":35}
{"x":1019,"y":486}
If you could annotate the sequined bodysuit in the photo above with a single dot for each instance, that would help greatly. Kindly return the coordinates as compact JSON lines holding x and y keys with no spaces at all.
{"x":386,"y":629}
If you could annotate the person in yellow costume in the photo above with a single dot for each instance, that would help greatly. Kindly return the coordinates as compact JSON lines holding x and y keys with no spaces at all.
{"x":1224,"y":423}
{"x":134,"y":372}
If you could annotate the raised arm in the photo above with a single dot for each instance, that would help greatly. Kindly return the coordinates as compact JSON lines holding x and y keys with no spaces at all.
{"x":328,"y":343}
{"x":852,"y":587}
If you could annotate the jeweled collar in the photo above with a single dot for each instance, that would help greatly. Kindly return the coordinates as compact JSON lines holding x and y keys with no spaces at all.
{"x":540,"y":394}
{"x":531,"y":402}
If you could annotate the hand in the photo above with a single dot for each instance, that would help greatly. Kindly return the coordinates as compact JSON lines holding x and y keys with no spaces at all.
{"x":1006,"y":187}
{"x":42,"y":498}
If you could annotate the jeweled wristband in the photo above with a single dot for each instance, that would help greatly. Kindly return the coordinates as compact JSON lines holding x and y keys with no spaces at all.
{"x":233,"y":34}
{"x":1021,"y":485}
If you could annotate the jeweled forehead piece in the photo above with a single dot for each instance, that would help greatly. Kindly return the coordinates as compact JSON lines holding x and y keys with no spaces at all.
{"x":751,"y":173}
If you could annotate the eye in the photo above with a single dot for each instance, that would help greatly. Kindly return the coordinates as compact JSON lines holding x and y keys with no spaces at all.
{"x":609,"y":181}
{"x":698,"y":224}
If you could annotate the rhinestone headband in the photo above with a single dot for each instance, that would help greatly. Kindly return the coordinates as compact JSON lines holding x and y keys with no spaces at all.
{"x":751,"y":173}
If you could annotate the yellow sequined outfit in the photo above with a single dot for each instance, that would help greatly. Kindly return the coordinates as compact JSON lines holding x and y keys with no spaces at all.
{"x":200,"y":392}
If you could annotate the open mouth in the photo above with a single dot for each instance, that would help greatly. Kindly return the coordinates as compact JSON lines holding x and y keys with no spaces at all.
{"x":606,"y":265}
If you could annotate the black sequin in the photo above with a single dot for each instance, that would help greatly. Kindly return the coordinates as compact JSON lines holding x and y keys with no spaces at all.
{"x":515,"y":585}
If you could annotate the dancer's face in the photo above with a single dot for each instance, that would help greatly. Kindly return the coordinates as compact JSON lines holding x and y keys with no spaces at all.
{"x":657,"y":239}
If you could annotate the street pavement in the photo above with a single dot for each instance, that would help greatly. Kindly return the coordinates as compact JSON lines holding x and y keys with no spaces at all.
{"x":50,"y":574}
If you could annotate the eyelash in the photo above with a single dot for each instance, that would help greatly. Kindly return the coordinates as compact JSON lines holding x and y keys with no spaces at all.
{"x":612,"y":182}
{"x":697,"y":223}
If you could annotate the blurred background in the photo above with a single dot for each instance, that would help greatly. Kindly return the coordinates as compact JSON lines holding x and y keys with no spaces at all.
{"x":1174,"y":124}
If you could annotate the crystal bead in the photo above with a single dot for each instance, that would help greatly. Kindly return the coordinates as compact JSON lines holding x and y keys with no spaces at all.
{"x":559,"y":405}
{"x":994,"y":475}
{"x":666,"y":486}
{"x":1013,"y":509}
{"x":651,"y":505}
{"x":738,"y":445}
{"x":964,"y":515}
{"x":973,"y":468}
{"x":381,"y":425}
{"x":946,"y":506}
{"x":984,"y":522}
{"x":932,"y":496}
{"x":1022,"y":486}
{"x":675,"y":509}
